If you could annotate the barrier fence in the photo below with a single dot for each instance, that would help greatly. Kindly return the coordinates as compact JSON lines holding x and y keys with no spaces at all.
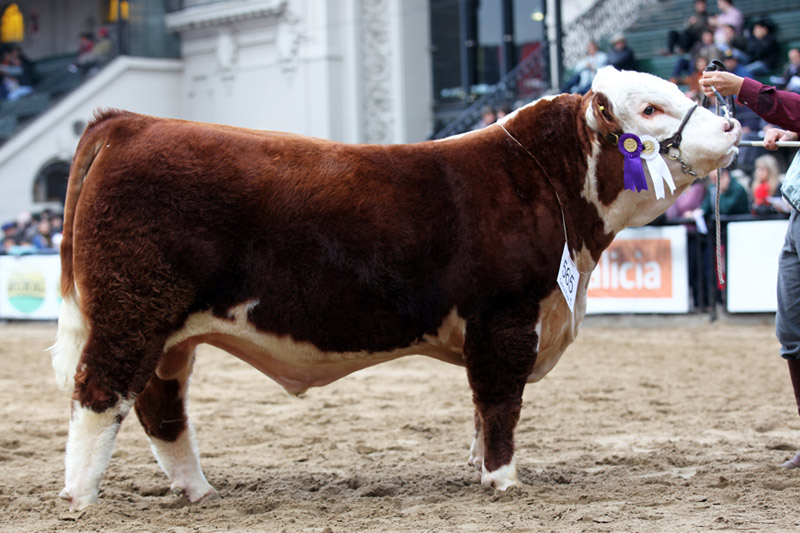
{"x":653,"y":269}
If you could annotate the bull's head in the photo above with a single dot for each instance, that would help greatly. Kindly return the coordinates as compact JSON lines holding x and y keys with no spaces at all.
{"x":645,"y":105}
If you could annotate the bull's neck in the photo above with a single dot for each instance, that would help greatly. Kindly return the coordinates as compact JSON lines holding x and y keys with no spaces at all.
{"x":560,"y":150}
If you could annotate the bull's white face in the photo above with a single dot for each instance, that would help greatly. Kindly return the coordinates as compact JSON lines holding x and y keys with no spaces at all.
{"x":646,"y":104}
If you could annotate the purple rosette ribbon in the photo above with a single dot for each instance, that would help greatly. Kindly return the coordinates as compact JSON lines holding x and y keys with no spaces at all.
{"x":633,"y":176}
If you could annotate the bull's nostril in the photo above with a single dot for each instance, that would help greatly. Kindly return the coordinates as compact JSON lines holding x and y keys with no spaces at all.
{"x":727,"y":126}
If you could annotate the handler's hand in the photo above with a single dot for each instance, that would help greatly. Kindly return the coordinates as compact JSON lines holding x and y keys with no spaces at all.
{"x":725,"y":82}
{"x":774,"y":135}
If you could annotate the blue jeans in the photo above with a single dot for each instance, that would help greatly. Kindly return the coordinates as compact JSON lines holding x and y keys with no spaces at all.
{"x":787,"y":319}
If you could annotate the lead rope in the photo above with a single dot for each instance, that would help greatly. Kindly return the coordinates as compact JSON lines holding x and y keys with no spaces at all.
{"x":547,"y":179}
{"x":718,"y":225}
{"x":727,"y":111}
{"x":544,"y":175}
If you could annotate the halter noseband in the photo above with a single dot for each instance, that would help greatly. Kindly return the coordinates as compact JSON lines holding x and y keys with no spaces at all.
{"x":674,"y":142}
{"x":677,"y":138}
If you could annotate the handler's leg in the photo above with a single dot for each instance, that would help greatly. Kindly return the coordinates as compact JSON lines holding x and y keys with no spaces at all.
{"x":787,"y":319}
{"x":500,"y":354}
{"x":161,"y":409}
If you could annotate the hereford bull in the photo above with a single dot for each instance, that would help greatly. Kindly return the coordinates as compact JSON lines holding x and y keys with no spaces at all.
{"x":311,"y":259}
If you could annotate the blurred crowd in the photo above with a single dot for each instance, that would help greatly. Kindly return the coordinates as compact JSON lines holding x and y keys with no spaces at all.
{"x":18,"y":76}
{"x":38,"y":233}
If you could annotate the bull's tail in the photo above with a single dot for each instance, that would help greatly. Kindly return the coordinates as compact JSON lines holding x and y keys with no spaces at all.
{"x":73,"y":329}
{"x":84,"y":157}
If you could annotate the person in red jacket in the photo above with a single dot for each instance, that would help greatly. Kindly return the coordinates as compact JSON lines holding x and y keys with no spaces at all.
{"x":781,"y":108}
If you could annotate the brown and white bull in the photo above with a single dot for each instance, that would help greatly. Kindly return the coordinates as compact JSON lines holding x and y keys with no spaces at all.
{"x":311,"y":259}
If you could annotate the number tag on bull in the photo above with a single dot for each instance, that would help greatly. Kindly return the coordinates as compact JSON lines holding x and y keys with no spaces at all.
{"x":568,"y":278}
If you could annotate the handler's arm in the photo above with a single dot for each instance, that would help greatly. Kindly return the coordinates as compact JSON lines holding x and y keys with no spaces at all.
{"x":773,"y":135}
{"x":781,"y":108}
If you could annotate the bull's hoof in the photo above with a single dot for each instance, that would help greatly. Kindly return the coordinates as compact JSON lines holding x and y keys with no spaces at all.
{"x":205,"y":494}
{"x":501,"y":479}
{"x":476,"y":461}
{"x":794,"y":462}
{"x":78,"y":503}
{"x":210,"y":496}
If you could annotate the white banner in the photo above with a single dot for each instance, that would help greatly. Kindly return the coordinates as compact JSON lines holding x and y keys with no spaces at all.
{"x":753,"y":250}
{"x":644,"y":270}
{"x":30,"y":287}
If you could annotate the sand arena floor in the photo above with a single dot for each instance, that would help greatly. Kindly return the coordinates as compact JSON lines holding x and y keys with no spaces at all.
{"x":645,"y":425}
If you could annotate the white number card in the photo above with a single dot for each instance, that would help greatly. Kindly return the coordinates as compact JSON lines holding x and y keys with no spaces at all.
{"x":568,"y":278}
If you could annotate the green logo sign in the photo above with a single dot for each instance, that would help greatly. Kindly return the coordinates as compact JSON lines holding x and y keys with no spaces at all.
{"x":26,"y":290}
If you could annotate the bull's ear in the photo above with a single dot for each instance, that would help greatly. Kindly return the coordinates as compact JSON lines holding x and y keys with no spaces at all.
{"x":600,"y":114}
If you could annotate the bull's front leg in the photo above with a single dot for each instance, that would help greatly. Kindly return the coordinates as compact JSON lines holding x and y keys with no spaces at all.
{"x":500,"y":354}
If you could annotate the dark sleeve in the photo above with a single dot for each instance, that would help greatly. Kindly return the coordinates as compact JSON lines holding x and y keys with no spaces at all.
{"x":781,"y":108}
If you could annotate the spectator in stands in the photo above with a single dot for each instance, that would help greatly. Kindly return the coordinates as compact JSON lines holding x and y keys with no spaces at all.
{"x":766,"y":184}
{"x":704,"y":48}
{"x":488,"y":116}
{"x":781,"y":108}
{"x":692,"y":80}
{"x":733,"y":65}
{"x":733,"y":198}
{"x":17,"y":72}
{"x":43,"y":238}
{"x":9,"y":235}
{"x":762,"y":48}
{"x":101,"y":53}
{"x":684,"y":208}
{"x":734,"y":43}
{"x":728,"y":16}
{"x":686,"y":204}
{"x":84,"y":59}
{"x":585,"y":69}
{"x":25,"y":227}
{"x":621,"y":56}
{"x":790,"y":80}
{"x":681,"y":42}
{"x":503,"y":110}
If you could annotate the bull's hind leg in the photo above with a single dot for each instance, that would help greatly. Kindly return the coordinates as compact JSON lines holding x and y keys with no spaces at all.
{"x":161,"y":409}
{"x":89,"y":446}
{"x":107,"y":380}
{"x":500,"y":354}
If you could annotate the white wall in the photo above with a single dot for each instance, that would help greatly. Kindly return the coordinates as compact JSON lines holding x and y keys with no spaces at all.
{"x":149,"y":86}
{"x":346,"y":70}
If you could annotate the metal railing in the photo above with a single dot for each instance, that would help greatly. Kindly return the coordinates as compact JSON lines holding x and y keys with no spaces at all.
{"x":527,"y":81}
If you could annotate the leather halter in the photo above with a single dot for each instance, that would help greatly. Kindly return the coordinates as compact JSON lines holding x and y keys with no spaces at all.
{"x":677,"y":138}
{"x":672,"y":142}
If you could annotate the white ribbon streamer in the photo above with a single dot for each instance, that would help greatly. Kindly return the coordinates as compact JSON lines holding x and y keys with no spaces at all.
{"x":656,"y":166}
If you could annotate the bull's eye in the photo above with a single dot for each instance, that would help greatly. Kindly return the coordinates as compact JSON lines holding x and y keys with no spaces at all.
{"x":649,"y":110}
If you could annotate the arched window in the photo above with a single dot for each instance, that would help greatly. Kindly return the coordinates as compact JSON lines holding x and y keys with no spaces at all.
{"x":12,"y":26}
{"x":51,"y":183}
{"x":116,"y":7}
